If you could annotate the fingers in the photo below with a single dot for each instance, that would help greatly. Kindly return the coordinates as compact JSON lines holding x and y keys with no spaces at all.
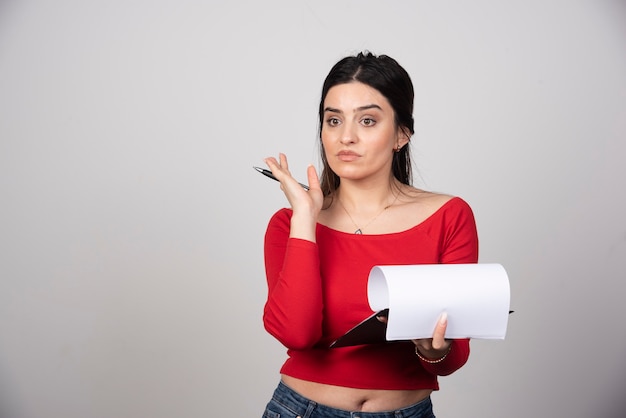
{"x":439,"y":335}
{"x":314,"y":180}
{"x":283,"y":161}
{"x":280,"y":170}
{"x":278,"y":167}
{"x":438,"y":343}
{"x":280,"y":164}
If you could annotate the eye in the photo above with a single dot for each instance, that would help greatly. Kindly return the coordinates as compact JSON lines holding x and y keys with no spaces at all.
{"x":368,"y":122}
{"x":332,"y":121}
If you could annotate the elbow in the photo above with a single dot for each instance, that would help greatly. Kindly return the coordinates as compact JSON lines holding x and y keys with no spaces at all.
{"x":292,"y":336}
{"x":294,"y":342}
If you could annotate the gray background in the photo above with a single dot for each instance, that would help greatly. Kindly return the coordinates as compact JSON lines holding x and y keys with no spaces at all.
{"x":131,"y":221}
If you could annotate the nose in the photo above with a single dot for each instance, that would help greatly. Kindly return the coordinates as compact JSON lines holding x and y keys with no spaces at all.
{"x":348,"y":134}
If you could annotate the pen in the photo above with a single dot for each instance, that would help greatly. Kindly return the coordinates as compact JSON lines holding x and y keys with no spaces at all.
{"x":269,"y":174}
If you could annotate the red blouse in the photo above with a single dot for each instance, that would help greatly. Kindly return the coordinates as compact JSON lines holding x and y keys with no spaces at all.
{"x":318,"y":291}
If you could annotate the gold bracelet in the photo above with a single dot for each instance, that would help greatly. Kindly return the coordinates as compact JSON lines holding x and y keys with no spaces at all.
{"x":429,"y":361}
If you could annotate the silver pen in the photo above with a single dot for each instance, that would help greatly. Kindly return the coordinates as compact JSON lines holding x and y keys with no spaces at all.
{"x":269,"y":174}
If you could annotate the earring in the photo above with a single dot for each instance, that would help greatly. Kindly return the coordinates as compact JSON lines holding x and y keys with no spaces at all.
{"x":397,"y":149}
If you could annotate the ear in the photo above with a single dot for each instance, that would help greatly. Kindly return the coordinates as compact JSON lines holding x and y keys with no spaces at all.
{"x":403,"y":137}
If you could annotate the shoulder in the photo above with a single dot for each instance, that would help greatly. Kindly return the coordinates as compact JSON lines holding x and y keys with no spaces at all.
{"x":282,"y":214}
{"x":424,"y":202}
{"x":455,"y":216}
{"x":447,"y":206}
{"x":417,"y":206}
{"x":432,"y":201}
{"x":280,"y":220}
{"x":429,"y":200}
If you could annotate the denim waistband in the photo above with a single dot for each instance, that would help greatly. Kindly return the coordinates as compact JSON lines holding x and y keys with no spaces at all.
{"x":306,"y":408}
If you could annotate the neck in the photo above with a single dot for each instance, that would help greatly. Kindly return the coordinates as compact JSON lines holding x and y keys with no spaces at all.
{"x":367,"y":199}
{"x":365,"y":205}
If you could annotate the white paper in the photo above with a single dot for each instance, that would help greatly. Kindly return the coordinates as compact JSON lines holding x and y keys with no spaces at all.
{"x":476,"y":298}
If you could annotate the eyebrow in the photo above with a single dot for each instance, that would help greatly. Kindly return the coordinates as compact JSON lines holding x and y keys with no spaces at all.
{"x":358,"y":109}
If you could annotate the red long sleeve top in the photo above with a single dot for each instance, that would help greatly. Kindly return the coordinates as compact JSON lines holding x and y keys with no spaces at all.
{"x":318,"y":291}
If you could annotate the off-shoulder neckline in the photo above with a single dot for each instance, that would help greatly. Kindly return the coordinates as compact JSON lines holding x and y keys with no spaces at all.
{"x":408,"y":230}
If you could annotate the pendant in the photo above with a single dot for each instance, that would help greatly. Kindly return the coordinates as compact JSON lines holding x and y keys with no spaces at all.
{"x":358,"y":232}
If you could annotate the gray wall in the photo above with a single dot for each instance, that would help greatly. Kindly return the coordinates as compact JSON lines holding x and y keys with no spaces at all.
{"x":131,"y":221}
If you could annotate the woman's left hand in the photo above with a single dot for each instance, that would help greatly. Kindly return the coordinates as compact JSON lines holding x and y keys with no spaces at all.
{"x":436,"y":347}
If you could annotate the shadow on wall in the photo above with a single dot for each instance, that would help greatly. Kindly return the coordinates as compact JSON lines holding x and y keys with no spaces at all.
{"x":8,"y":395}
{"x":615,"y":404}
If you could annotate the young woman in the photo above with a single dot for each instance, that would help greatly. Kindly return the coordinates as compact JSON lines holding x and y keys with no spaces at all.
{"x":361,"y":212}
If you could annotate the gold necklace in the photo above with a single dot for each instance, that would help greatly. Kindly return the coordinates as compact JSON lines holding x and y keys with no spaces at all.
{"x":359,"y":231}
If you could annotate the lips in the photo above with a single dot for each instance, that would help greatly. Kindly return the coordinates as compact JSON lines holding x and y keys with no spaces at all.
{"x":347,"y":155}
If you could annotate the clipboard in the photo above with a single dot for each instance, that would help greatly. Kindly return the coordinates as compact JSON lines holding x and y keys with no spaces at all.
{"x":369,"y":331}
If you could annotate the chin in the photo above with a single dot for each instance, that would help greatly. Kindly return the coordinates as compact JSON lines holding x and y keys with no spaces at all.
{"x":346,"y":172}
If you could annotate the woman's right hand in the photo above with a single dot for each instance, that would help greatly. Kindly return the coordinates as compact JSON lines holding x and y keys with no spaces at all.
{"x":306,"y":205}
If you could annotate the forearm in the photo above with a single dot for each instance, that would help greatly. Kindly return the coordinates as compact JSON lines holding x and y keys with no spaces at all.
{"x":293,"y":311}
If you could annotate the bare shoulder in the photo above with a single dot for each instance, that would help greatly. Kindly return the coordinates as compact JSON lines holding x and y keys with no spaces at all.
{"x":414,"y":206}
{"x":427,"y":200}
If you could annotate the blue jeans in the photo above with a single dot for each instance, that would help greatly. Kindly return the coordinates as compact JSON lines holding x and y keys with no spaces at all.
{"x":287,"y":403}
